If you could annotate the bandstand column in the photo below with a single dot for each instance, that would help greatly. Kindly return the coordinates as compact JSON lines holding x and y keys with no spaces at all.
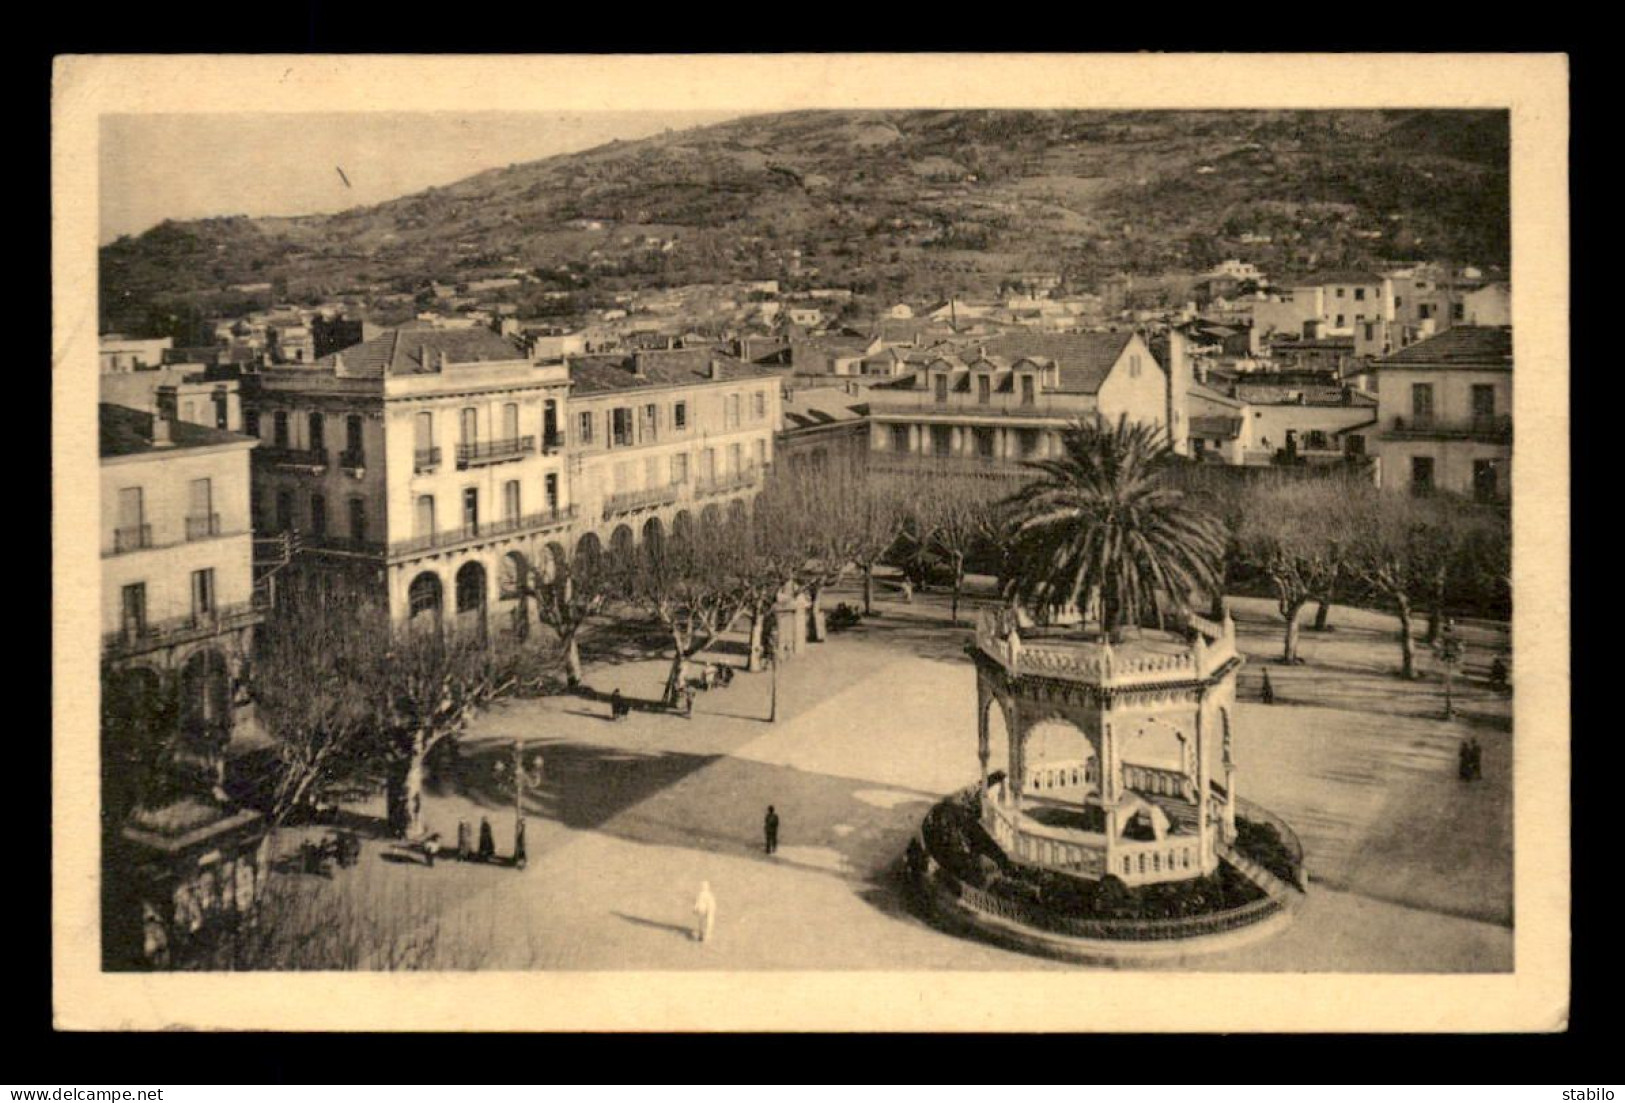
{"x":1204,"y":788}
{"x":1018,"y":753}
{"x":981,"y":734}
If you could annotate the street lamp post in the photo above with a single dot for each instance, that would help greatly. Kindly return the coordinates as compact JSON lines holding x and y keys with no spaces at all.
{"x":1450,"y":649}
{"x":521,"y":781}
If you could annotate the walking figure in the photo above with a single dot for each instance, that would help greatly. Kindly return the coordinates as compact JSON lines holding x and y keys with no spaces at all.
{"x":488,"y":842}
{"x":1267,"y":691}
{"x":908,"y":592}
{"x":465,"y":841}
{"x":431,"y":847}
{"x":1464,"y":761}
{"x":705,"y":912}
{"x":617,"y":705}
{"x":1475,"y":760}
{"x":519,"y":844}
{"x":1498,"y":673}
{"x":770,"y":828}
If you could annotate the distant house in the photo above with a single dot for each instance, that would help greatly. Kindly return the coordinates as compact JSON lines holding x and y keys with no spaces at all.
{"x":822,"y":425}
{"x":809,"y":317}
{"x":122,"y":354}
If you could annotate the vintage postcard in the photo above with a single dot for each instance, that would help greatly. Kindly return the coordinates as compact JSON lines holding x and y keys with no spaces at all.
{"x":826,"y":542}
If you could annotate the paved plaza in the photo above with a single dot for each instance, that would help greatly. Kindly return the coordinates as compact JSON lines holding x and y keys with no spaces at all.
{"x":1411,"y":867}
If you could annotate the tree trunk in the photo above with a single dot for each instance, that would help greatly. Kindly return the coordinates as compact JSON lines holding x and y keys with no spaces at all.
{"x":815,"y":620}
{"x":1407,"y":646}
{"x":572,"y":660}
{"x":758,"y":622}
{"x":868,"y":589}
{"x":1322,"y":613}
{"x":1294,"y":617}
{"x":412,"y":787}
{"x":674,"y":680}
{"x":959,"y":582}
{"x":1435,"y":612}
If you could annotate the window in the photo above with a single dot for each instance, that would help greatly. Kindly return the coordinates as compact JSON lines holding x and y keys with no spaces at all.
{"x":1340,"y":321}
{"x":1485,"y":487}
{"x":1339,"y":292}
{"x":1424,"y":311}
{"x":318,"y":433}
{"x":1359,"y":294}
{"x":985,"y":442}
{"x":1458,"y":312}
{"x":510,"y":421}
{"x":942,"y":388}
{"x":899,"y":438}
{"x":471,"y":510}
{"x":735,"y":459}
{"x":551,"y":489}
{"x":200,"y":509}
{"x":733,"y":411}
{"x":1134,"y":367}
{"x":131,"y":515}
{"x":679,"y":468}
{"x":425,"y":515}
{"x":679,"y":415}
{"x":1029,"y":390}
{"x":1398,"y":302}
{"x":1029,"y":442}
{"x":550,"y":420}
{"x":469,"y":420}
{"x":758,"y":406}
{"x":251,"y":422}
{"x":1422,"y":402}
{"x":279,"y":429}
{"x":647,"y":428}
{"x":203,"y":593}
{"x":1354,"y":444}
{"x":222,"y":412}
{"x":620,"y":430}
{"x":761,"y":452}
{"x":1483,"y":401}
{"x":358,"y":519}
{"x":318,"y":515}
{"x":284,"y":510}
{"x":133,"y":608}
{"x":510,"y":500}
{"x":1421,"y":475}
{"x":942,"y":442}
{"x":352,"y":436}
{"x":708,"y":465}
{"x":586,"y":428}
{"x":984,"y":389}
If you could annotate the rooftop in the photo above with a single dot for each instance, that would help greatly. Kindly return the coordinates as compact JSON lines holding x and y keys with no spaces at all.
{"x":600,"y":374}
{"x":127,"y":432}
{"x":1457,"y":347}
{"x":416,"y":350}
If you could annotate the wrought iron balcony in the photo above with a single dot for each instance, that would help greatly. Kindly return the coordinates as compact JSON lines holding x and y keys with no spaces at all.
{"x":132,"y":538}
{"x":311,"y":459}
{"x":353,"y":460}
{"x":487,"y":530}
{"x":134,"y":639}
{"x":425,"y":459}
{"x":203,"y":526}
{"x":723,"y":484}
{"x":629,"y":501}
{"x":1485,"y":427}
{"x":553,"y":442}
{"x":494,"y":451}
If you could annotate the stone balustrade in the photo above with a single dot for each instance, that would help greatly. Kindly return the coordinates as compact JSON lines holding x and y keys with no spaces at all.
{"x":1099,"y":663}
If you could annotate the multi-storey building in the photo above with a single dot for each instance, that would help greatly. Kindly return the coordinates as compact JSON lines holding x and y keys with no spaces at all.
{"x":420,"y":461}
{"x":1009,"y":398}
{"x":125,"y":354}
{"x":664,"y":439}
{"x":193,"y":393}
{"x":1444,"y":414}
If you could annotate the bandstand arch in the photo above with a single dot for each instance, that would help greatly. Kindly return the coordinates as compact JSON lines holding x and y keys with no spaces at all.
{"x":425,"y":598}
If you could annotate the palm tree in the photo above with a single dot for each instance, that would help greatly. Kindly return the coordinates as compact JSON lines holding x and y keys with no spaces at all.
{"x":1101,"y":523}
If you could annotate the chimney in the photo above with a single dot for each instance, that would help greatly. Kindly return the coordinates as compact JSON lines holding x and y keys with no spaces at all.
{"x":338,"y":363}
{"x":637,"y":364}
{"x":716,"y":369}
{"x":423,"y":357}
{"x":161,"y":430}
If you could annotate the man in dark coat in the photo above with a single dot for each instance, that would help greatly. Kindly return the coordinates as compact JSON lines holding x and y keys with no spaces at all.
{"x":617,"y":705}
{"x":488,"y":842}
{"x":770,"y":827}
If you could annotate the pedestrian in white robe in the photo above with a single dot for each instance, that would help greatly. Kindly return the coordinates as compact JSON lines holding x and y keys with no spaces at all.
{"x":705,"y":912}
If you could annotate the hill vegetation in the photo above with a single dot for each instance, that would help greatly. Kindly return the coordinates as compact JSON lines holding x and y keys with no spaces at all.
{"x":890,"y":203}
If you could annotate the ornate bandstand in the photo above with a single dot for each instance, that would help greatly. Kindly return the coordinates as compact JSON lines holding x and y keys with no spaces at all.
{"x":1117,"y":755}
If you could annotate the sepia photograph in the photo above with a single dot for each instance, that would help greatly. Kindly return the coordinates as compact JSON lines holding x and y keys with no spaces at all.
{"x":895,"y":541}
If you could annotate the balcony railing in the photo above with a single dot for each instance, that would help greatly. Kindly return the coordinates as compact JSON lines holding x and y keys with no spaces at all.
{"x":722,"y":484}
{"x":629,"y":500}
{"x":976,"y":465}
{"x":177,"y":630}
{"x":1490,"y":427}
{"x":962,"y":407}
{"x":353,"y":460}
{"x":494,"y":451}
{"x":425,"y":459}
{"x":331,"y":542}
{"x":307,"y":458}
{"x":552,"y":442}
{"x":132,"y":538}
{"x":467,"y":534}
{"x":203,"y":526}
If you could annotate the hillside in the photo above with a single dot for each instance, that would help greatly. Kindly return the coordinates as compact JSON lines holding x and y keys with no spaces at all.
{"x":892,"y":203}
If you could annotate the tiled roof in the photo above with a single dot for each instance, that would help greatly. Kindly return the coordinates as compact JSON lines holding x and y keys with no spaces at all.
{"x":676,"y":367}
{"x":402,"y":351}
{"x":127,"y":432}
{"x":1202,"y":391}
{"x":807,"y":409}
{"x":1458,"y":347}
{"x":1327,"y":279}
{"x":1085,"y":359}
{"x":1216,"y":426}
{"x":1277,"y":394}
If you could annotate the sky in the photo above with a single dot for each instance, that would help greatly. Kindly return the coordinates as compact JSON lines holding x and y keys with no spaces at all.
{"x":154,"y":167}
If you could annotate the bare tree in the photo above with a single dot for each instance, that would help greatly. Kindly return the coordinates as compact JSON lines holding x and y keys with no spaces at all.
{"x":316,"y":679}
{"x":692,"y":586}
{"x":953,"y":515}
{"x":1390,"y":554}
{"x":567,"y":597}
{"x":1297,"y":533}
